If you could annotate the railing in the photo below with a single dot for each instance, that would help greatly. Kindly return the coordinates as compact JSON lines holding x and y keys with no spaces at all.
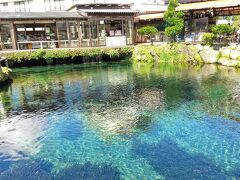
{"x":46,"y":44}
{"x":37,"y":44}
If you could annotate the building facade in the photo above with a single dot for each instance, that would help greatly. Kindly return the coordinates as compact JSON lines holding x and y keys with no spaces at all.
{"x":24,"y":24}
{"x":63,"y":5}
{"x":84,"y":25}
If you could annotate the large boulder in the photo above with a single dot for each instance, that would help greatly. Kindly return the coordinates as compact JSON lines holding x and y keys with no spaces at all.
{"x":223,"y":60}
{"x":231,"y":63}
{"x":228,"y":62}
{"x":209,"y":55}
{"x":199,"y":47}
{"x":225,"y":52}
{"x":235,"y":54}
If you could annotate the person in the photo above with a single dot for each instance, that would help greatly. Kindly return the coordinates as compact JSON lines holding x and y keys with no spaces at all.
{"x":238,"y":33}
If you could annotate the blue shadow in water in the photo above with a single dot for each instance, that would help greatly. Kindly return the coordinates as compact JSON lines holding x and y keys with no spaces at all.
{"x":172,"y":162}
{"x":28,"y":170}
{"x":89,"y":172}
{"x":71,"y":128}
{"x":4,"y":163}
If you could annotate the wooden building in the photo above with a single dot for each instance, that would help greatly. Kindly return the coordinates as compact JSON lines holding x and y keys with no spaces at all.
{"x":88,"y":25}
{"x":199,"y":16}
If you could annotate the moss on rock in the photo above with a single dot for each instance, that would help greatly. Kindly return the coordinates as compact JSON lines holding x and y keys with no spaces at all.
{"x":5,"y":75}
{"x":171,"y":53}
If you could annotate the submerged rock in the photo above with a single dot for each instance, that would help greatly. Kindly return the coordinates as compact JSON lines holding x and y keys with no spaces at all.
{"x":28,"y":170}
{"x":89,"y":171}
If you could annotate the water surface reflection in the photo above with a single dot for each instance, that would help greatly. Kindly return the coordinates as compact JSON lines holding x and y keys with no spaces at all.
{"x":114,"y":120}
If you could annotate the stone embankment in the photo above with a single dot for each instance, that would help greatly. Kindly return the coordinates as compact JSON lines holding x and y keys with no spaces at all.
{"x":186,"y":53}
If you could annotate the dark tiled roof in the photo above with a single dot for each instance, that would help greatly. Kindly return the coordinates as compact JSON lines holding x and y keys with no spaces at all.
{"x":41,"y":15}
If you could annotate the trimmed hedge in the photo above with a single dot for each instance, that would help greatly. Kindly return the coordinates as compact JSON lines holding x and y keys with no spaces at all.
{"x":66,"y":56}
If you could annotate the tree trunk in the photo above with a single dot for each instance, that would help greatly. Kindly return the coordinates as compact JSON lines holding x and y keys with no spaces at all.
{"x":151,"y":41}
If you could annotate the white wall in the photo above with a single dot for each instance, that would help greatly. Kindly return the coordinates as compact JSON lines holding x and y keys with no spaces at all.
{"x":39,"y":5}
{"x":34,"y":6}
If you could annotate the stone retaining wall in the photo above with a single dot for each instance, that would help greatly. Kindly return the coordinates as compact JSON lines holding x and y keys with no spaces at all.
{"x":193,"y":54}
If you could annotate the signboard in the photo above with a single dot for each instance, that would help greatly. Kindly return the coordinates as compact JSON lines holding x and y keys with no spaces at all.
{"x":116,"y":41}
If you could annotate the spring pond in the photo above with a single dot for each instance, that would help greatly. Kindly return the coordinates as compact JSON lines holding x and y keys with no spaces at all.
{"x":121,"y":121}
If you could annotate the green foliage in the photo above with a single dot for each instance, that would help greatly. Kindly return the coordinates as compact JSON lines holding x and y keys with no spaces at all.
{"x":65,"y":54}
{"x":177,"y":53}
{"x":174,"y":20}
{"x":236,"y":21}
{"x":208,"y":39}
{"x":222,"y":29}
{"x":5,"y":74}
{"x":147,"y":30}
{"x":113,"y":53}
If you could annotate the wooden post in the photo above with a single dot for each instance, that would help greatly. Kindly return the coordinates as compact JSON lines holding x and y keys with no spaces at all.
{"x":79,"y":34}
{"x":68,"y":34}
{"x":127,"y":30}
{"x":133,"y":32}
{"x":98,"y":39}
{"x":90,"y":32}
{"x":13,"y":36}
{"x":0,"y":66}
{"x":57,"y":34}
{"x":122,"y":27}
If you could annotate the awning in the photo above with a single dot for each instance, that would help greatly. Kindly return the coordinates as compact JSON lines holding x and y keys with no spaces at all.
{"x":208,"y":5}
{"x":150,"y":16}
{"x":41,"y":15}
{"x":109,"y":11}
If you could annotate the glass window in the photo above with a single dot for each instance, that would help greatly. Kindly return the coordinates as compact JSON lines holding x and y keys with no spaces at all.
{"x":94,"y":33}
{"x":19,"y":6}
{"x":114,"y":28}
{"x":3,"y":7}
{"x":102,"y":33}
{"x":5,"y":37}
{"x":84,"y":26}
{"x":62,"y":33}
{"x":129,"y":31}
{"x":152,"y":1}
{"x":54,"y":5}
{"x":73,"y":30}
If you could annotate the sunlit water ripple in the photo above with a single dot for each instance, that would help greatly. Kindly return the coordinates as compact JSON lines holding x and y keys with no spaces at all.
{"x":120,"y":121}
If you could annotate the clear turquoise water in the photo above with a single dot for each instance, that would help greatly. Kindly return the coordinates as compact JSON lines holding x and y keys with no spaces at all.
{"x":118,"y":121}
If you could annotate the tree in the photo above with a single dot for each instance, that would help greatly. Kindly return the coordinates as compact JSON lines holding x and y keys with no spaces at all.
{"x":208,"y":38}
{"x":236,"y":21}
{"x":221,"y":30}
{"x":148,"y":31}
{"x":174,"y":20}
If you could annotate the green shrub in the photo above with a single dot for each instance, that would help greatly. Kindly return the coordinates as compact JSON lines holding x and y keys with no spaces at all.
{"x":148,"y":31}
{"x":208,"y":39}
{"x":222,"y":29}
{"x":49,"y":56}
{"x":112,"y":53}
{"x":38,"y":54}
